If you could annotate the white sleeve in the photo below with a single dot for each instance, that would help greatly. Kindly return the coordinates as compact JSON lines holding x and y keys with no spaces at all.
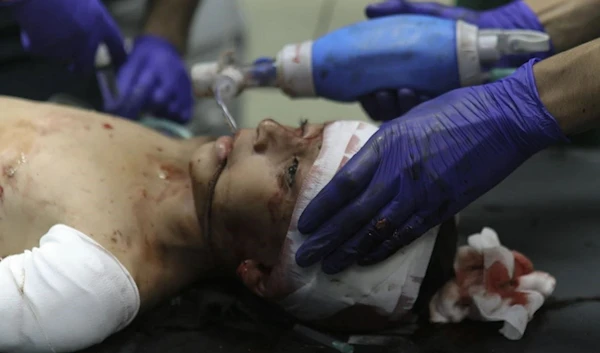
{"x":66,"y":295}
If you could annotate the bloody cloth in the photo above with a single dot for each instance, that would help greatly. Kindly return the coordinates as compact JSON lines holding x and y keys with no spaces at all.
{"x":492,"y":283}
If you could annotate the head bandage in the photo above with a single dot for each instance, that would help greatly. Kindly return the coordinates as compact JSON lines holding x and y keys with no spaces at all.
{"x":390,"y":287}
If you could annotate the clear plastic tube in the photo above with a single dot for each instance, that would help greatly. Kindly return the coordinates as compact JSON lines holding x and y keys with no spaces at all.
{"x":262,"y":73}
{"x":323,"y":339}
{"x":225,"y":88}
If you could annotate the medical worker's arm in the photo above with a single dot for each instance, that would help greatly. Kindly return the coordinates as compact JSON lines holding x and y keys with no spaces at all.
{"x":568,"y":23}
{"x":155,"y":78}
{"x":422,"y":168}
{"x":569,"y":86}
{"x":171,"y":20}
{"x":67,"y":30}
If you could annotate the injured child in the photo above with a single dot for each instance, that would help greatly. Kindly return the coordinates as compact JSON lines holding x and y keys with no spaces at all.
{"x":102,"y":219}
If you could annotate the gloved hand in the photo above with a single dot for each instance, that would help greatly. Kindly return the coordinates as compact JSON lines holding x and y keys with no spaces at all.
{"x":389,"y":104}
{"x":421,"y":169}
{"x":68,"y":30}
{"x":154,"y":79}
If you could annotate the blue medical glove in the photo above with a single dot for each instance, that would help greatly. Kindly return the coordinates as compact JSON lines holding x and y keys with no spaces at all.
{"x":155,"y":80}
{"x":389,"y":104}
{"x":421,"y":169}
{"x":68,"y":30}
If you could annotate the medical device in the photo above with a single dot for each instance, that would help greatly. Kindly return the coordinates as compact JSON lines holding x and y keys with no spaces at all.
{"x":355,"y":60}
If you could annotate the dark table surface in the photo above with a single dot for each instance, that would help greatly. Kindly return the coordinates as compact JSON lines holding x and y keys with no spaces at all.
{"x":549,"y":209}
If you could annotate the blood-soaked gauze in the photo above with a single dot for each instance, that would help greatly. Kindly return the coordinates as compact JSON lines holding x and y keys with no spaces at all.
{"x":492,"y":284}
{"x":389,"y":288}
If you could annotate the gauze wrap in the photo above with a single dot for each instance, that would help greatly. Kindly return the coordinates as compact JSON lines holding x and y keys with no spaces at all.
{"x":65,"y":295}
{"x":390,"y":287}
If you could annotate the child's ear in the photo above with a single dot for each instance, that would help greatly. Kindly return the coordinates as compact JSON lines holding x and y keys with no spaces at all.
{"x":255,"y":276}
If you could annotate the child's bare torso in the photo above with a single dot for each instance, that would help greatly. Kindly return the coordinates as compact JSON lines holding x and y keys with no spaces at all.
{"x":105,"y":177}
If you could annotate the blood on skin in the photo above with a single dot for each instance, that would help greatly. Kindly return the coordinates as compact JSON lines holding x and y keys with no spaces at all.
{"x":274,"y":205}
{"x":242,"y":269}
{"x":382,"y":223}
{"x":107,"y":126}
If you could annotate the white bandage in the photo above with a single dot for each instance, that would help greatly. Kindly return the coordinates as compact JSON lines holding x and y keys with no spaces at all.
{"x":66,"y":295}
{"x":391,"y":287}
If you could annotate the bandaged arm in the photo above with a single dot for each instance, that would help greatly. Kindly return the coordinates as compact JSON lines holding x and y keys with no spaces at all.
{"x":66,"y":295}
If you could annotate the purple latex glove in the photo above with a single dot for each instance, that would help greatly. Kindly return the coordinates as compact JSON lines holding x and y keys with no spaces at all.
{"x":421,"y":169}
{"x":154,"y":79}
{"x":389,"y":104}
{"x":68,"y":30}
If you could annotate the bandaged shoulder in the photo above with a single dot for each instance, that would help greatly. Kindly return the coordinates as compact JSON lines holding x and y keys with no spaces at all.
{"x":66,"y":295}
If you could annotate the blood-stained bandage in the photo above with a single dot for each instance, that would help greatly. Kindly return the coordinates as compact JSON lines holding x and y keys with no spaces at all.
{"x":66,"y":295}
{"x":492,"y":284}
{"x":390,"y":287}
